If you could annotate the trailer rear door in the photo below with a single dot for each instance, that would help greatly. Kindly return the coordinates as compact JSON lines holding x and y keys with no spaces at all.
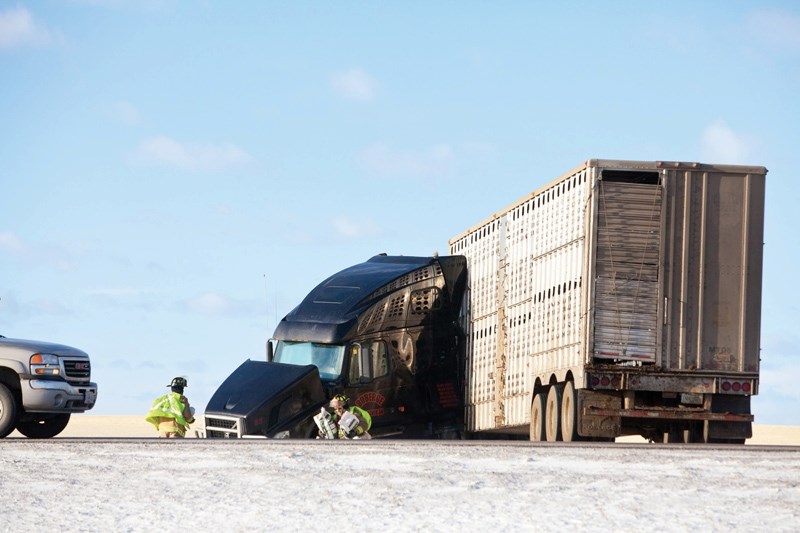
{"x":628,"y":242}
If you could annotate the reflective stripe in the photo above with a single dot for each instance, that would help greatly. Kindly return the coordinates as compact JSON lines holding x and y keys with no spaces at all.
{"x":365,"y":416}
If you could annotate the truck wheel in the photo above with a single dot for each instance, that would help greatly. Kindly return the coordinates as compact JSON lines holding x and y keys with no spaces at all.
{"x":537,"y":432}
{"x":553,"y":413}
{"x":8,"y":411}
{"x":43,"y":426}
{"x":569,"y":413}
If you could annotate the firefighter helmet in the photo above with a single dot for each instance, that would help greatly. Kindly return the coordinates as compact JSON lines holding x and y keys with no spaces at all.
{"x":340,"y":399}
{"x":178,"y":383}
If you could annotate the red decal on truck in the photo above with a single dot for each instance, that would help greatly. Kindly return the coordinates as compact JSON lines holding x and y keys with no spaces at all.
{"x":371,"y":402}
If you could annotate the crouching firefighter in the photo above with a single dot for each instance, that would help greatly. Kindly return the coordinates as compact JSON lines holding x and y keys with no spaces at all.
{"x":346,"y":422}
{"x":171,"y":413}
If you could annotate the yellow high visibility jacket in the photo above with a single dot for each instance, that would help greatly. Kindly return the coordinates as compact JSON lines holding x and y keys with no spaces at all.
{"x":170,"y":411}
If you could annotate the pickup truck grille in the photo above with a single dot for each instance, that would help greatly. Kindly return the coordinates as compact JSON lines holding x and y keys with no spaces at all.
{"x":78,"y":369}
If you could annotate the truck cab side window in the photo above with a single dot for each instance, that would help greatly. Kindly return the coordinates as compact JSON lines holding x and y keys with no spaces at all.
{"x":380,"y":359}
{"x":368,"y":361}
{"x":354,"y":369}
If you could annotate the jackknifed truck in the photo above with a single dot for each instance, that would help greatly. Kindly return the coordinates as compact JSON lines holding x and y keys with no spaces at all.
{"x":623,"y":298}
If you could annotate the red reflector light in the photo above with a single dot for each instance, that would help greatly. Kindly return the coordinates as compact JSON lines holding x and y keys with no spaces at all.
{"x":595,"y":381}
{"x":746,"y":387}
{"x":726,"y":386}
{"x":736,"y":386}
{"x":605,"y":381}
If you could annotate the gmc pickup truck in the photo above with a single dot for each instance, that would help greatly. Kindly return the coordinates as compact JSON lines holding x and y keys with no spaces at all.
{"x":41,"y":385}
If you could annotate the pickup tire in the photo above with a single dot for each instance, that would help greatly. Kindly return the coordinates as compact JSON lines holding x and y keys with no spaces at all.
{"x":8,"y":411}
{"x":43,"y":426}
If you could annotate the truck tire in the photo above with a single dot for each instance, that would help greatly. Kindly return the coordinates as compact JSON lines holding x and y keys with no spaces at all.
{"x":569,"y":413}
{"x":537,"y":431}
{"x":553,"y":413}
{"x":8,"y":411}
{"x":43,"y":426}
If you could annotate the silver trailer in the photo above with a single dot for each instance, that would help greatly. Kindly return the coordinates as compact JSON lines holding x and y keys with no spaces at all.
{"x":623,"y":298}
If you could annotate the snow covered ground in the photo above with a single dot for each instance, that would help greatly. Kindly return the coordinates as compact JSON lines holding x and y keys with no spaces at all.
{"x":128,"y":484}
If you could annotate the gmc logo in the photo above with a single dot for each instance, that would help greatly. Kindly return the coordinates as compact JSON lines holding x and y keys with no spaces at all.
{"x":81,"y":366}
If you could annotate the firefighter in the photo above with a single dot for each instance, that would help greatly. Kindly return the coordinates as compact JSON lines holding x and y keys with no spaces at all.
{"x":171,"y":413}
{"x":347,"y":429}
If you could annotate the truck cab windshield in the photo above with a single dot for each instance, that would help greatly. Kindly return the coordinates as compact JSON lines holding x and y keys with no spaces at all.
{"x":328,"y":358}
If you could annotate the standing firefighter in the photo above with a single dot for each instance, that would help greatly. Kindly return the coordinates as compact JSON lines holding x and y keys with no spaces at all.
{"x":171,"y":413}
{"x":347,"y":422}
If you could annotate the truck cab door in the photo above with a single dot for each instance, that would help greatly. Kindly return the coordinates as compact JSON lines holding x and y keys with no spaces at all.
{"x":369,"y":380}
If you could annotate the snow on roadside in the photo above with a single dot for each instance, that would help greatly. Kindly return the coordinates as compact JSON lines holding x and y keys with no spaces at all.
{"x":127,"y":485}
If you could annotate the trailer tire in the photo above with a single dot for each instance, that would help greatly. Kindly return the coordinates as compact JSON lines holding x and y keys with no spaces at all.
{"x":8,"y":411}
{"x":553,"y":413}
{"x":569,"y":413}
{"x":538,"y":411}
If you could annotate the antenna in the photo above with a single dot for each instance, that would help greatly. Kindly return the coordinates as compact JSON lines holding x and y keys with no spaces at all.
{"x":266,"y":301}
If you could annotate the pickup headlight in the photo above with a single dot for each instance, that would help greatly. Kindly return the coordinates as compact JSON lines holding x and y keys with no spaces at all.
{"x":45,"y":364}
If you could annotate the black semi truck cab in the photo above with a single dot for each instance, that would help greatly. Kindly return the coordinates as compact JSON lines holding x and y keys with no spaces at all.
{"x":384,"y":332}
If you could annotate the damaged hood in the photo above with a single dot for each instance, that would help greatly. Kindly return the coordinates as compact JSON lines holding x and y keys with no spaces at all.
{"x":268,"y":396}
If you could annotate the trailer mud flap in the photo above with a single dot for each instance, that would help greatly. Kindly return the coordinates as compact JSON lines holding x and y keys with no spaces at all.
{"x":726,"y":429}
{"x":598,"y":425}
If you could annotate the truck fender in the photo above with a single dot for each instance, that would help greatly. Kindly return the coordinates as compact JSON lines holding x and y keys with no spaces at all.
{"x":15,"y":366}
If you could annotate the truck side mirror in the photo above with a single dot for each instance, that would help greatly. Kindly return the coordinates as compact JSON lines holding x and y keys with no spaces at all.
{"x":270,"y":351}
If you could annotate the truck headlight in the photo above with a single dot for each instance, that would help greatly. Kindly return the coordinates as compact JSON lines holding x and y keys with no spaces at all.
{"x":45,"y":364}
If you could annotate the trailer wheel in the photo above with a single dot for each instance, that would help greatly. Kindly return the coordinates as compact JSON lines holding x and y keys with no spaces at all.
{"x":8,"y":411}
{"x":553,"y":413}
{"x":537,"y":432}
{"x":569,"y":413}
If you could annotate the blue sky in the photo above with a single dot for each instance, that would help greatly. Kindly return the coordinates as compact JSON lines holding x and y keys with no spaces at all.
{"x":177,"y":175}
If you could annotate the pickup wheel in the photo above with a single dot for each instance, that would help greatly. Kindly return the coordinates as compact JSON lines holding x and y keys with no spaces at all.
{"x":8,"y":411}
{"x":43,"y":426}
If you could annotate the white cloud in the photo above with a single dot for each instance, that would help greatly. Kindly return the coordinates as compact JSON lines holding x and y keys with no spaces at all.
{"x":435,"y":162}
{"x":720,"y":144}
{"x":18,"y":28}
{"x":196,"y":157}
{"x":124,"y":113}
{"x":54,"y":256}
{"x":144,"y":5}
{"x":126,"y":298}
{"x":13,"y":308}
{"x":354,"y":84}
{"x":11,"y":244}
{"x":780,"y":28}
{"x":212,"y":303}
{"x":351,"y":228}
{"x":48,"y":307}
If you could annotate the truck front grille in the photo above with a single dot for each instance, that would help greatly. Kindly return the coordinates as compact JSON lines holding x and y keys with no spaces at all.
{"x":223,"y":427}
{"x":77,"y":369}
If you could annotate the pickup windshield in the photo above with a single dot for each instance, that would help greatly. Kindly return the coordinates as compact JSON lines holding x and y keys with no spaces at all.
{"x":328,"y":358}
